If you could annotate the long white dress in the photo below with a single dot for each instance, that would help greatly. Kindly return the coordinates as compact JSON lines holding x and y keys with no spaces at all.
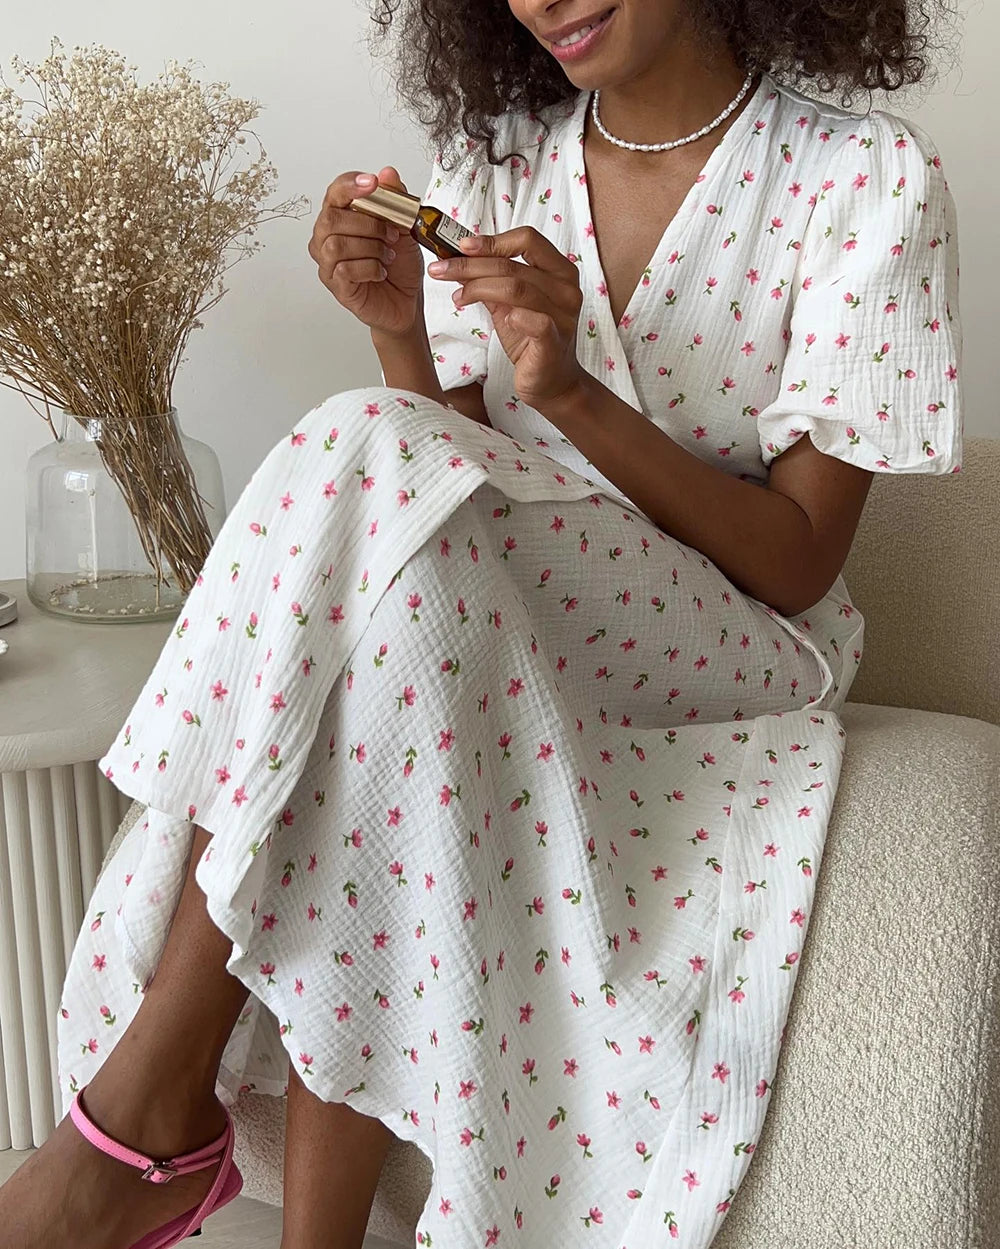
{"x":518,"y":803}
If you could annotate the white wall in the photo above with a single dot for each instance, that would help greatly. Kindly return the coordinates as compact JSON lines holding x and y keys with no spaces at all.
{"x":278,"y":343}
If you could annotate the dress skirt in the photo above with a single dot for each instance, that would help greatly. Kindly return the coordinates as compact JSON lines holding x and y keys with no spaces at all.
{"x":516,"y":805}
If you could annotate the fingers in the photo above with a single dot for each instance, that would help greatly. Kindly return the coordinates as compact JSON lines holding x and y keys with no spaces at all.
{"x":523,"y":241}
{"x":513,"y":292}
{"x":343,"y":223}
{"x":533,"y":324}
{"x":345,"y":187}
{"x":345,"y":254}
{"x":351,"y":273}
{"x":389,"y":176}
{"x":337,"y":214}
{"x":340,"y":233}
{"x":521,"y":288}
{"x":517,"y":277}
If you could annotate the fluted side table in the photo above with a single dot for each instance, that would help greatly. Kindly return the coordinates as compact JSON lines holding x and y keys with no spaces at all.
{"x":65,"y":689}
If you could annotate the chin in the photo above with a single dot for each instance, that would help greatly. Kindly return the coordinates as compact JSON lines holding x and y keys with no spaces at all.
{"x":604,"y":71}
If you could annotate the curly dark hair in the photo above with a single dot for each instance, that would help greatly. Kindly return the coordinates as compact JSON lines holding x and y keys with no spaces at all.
{"x":464,"y":63}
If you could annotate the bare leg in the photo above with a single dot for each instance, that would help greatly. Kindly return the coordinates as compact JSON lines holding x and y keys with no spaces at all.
{"x":333,"y":1158}
{"x":155,"y":1093}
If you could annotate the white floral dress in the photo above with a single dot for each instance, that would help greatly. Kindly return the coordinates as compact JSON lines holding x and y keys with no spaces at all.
{"x":517,"y":803}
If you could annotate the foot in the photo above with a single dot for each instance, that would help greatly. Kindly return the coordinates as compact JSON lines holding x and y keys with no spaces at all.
{"x":71,"y":1193}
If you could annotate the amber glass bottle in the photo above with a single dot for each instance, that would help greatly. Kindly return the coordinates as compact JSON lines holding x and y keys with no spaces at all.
{"x":431,"y":228}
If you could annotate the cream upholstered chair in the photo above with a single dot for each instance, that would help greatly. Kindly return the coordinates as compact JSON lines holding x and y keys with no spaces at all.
{"x":884,"y":1125}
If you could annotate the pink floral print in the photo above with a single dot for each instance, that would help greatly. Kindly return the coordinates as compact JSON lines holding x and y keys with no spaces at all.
{"x":517,"y":803}
{"x":808,"y":282}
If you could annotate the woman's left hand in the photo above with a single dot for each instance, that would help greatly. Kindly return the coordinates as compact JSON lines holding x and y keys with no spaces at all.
{"x":535,"y":307}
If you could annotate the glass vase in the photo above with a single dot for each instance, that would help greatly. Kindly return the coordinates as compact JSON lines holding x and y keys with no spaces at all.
{"x":110,"y":502}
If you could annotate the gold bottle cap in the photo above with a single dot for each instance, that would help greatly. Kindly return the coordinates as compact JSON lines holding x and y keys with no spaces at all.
{"x":388,"y":205}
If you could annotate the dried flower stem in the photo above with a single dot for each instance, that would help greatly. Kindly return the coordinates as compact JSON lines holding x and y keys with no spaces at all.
{"x":114,"y":225}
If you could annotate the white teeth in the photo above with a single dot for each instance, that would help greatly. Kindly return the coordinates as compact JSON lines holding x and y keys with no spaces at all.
{"x":575,"y":38}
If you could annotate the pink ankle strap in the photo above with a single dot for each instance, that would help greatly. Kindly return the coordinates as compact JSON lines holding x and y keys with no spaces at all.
{"x":157,"y":1172}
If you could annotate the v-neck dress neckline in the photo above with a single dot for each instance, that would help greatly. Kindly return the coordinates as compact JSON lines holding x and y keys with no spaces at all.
{"x":719,"y":158}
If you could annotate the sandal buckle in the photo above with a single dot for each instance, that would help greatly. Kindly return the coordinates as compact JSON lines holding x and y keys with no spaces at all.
{"x":159,"y":1173}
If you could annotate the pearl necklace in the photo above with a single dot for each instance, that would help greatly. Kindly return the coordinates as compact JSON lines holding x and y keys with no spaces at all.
{"x":663,"y":147}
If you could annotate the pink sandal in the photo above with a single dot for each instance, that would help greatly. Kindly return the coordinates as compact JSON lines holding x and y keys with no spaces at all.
{"x":228,"y":1181}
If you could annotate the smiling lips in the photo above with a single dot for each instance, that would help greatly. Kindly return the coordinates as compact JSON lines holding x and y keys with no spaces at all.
{"x":566,"y":36}
{"x":575,"y":44}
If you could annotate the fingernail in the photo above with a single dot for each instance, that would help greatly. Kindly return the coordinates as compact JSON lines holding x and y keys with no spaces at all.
{"x":364,"y":179}
{"x":470,"y":244}
{"x":392,"y":234}
{"x":438,"y":267}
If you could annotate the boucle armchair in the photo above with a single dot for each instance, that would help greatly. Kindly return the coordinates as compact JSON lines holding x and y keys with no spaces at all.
{"x":884,"y":1124}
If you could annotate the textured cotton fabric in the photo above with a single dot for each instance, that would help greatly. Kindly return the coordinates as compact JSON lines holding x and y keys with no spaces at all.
{"x":808,"y":283}
{"x":517,"y":806}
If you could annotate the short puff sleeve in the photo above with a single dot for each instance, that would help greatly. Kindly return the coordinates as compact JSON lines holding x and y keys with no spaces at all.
{"x":873,"y":366}
{"x":471,"y":192}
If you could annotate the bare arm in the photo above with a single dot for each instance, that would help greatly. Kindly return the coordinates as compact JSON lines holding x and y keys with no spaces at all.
{"x":783,"y":544}
{"x":407,"y":363}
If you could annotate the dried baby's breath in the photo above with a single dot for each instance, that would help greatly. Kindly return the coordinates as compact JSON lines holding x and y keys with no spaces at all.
{"x":118,"y":211}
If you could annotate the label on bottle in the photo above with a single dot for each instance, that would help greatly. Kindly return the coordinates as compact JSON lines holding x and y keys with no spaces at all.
{"x":451,"y":231}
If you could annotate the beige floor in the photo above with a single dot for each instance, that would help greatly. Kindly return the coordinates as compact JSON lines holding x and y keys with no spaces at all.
{"x":243,"y":1224}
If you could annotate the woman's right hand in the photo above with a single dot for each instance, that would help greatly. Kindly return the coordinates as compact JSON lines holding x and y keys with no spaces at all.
{"x":353,"y":253}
